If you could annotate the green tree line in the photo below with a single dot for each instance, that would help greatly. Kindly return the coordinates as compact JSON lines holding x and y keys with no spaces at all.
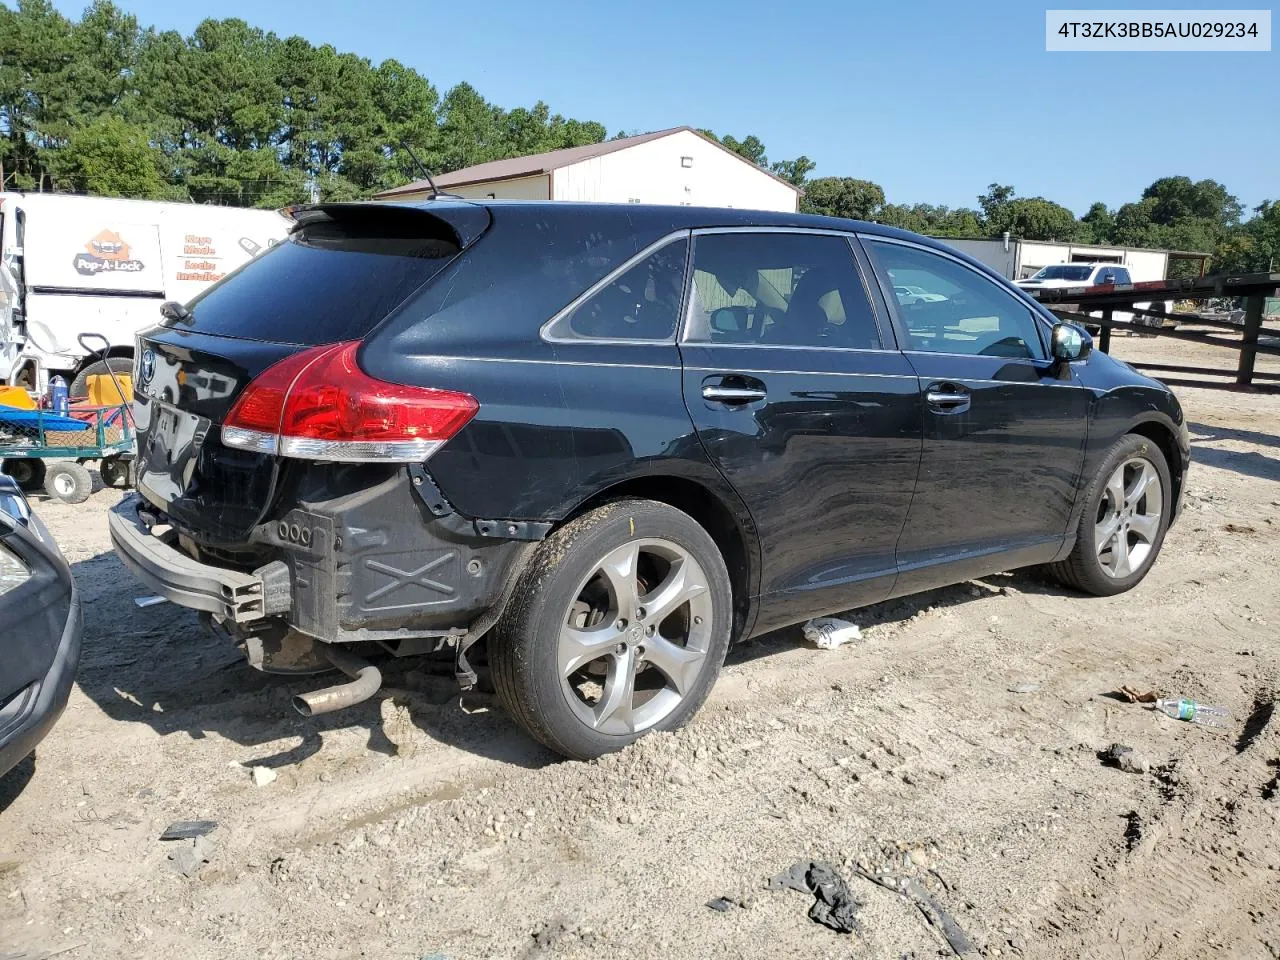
{"x":235,"y":115}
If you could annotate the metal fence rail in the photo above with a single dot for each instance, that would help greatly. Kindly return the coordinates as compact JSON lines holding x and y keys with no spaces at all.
{"x":1254,"y":288}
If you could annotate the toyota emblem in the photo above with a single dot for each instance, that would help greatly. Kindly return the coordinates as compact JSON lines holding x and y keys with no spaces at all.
{"x":147,"y":366}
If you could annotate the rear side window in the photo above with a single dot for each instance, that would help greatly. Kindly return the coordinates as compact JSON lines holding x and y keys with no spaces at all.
{"x":779,"y":289}
{"x":328,"y":281}
{"x":641,"y":303}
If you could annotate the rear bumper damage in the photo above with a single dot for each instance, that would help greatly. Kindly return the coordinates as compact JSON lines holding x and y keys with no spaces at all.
{"x":165,"y":570}
{"x":373,"y":567}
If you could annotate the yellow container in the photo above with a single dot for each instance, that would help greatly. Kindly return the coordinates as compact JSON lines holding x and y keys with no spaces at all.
{"x":16,"y":397}
{"x":103,"y":392}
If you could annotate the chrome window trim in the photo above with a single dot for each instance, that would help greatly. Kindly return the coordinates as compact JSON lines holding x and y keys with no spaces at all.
{"x":849,"y":236}
{"x":809,"y":373}
{"x":1018,"y":295}
{"x":545,"y":331}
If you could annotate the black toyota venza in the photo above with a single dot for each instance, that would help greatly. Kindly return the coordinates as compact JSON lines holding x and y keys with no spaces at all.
{"x":606,"y":441}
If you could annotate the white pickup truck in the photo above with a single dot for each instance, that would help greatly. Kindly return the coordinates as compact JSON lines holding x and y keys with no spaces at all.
{"x":1090,"y":275}
{"x":71,"y":265}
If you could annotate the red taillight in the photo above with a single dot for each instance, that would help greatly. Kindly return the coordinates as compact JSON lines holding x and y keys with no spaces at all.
{"x":319,"y":405}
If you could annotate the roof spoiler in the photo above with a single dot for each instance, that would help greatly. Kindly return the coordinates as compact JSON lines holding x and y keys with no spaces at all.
{"x":466,"y":221}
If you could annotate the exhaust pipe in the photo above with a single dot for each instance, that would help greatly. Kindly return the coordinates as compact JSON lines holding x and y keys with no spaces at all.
{"x":366,"y":679}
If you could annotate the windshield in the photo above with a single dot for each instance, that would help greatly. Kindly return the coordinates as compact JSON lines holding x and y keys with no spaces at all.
{"x":1064,"y":271}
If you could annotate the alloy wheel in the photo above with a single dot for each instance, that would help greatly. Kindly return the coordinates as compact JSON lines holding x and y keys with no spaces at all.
{"x":1128,"y":520}
{"x":635,"y":637}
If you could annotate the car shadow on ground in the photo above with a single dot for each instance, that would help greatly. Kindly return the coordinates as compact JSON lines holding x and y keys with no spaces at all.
{"x":159,"y":666}
{"x":1249,"y":463}
{"x":904,"y":608}
{"x":15,"y":781}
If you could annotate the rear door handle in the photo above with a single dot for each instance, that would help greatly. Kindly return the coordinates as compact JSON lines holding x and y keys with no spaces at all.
{"x":720,"y":393}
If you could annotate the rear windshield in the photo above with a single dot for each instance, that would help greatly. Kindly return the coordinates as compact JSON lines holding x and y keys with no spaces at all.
{"x":328,"y":281}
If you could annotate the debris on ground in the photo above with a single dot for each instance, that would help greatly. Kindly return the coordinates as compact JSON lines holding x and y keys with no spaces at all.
{"x":1125,"y":758}
{"x":188,"y":829}
{"x":1025,"y":688}
{"x":148,"y":601}
{"x":1193,"y":712}
{"x":1131,"y":695}
{"x":1132,"y":829}
{"x":835,"y":905}
{"x":263,"y":776}
{"x":188,"y":856}
{"x":722,"y":904}
{"x":827,"y":633}
{"x":928,"y":905}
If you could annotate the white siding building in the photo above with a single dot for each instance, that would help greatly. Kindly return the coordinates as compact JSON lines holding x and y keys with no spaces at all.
{"x":678,"y":166}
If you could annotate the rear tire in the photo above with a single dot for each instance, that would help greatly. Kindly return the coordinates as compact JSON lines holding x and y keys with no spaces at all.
{"x":27,"y":472}
{"x":68,"y":481}
{"x":120,"y":366}
{"x":1122,"y":527}
{"x":578,"y":660}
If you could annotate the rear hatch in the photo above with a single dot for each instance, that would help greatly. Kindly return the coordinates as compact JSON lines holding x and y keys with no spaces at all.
{"x":340,"y":273}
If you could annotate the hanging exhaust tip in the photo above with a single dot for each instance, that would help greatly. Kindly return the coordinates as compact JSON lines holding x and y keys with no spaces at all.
{"x":365,"y":681}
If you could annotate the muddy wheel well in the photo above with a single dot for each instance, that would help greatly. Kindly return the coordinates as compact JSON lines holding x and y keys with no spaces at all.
{"x":711,"y":513}
{"x":1163,"y":438}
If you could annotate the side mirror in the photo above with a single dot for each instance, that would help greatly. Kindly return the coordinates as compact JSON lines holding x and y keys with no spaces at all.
{"x":1068,"y":342}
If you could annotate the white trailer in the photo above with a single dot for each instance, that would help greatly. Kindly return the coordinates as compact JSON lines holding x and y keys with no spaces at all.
{"x":1019,"y":259}
{"x":71,"y":265}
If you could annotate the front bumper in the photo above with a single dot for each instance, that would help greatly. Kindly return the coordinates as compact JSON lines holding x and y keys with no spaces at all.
{"x":27,"y":717}
{"x":229,"y":594}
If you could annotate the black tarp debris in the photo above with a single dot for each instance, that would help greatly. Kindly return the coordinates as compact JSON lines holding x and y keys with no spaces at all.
{"x":834,"y":905}
{"x":933,"y":911}
{"x":188,"y":829}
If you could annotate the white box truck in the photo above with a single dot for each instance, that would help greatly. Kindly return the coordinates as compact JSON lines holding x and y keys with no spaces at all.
{"x":71,"y":265}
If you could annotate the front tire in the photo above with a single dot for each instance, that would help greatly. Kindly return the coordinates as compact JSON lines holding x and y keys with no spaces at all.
{"x":1127,"y":511}
{"x":618,"y":626}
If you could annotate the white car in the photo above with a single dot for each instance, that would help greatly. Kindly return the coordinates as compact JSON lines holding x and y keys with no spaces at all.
{"x":912,"y":294}
{"x":1090,"y":275}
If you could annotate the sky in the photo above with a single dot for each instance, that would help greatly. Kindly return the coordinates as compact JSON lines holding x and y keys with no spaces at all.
{"x":931,"y":100}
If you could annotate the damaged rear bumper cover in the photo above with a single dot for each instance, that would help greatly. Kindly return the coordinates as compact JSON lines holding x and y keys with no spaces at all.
{"x":161,"y":567}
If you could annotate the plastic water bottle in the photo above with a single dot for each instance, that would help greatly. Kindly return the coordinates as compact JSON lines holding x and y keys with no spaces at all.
{"x":1200,"y":713}
{"x":59,"y":397}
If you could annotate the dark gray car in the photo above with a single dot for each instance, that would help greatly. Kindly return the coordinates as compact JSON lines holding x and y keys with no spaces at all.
{"x":40,"y":627}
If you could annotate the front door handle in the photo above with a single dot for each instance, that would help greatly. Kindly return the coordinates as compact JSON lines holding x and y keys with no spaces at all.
{"x":720,"y":393}
{"x":947,"y":398}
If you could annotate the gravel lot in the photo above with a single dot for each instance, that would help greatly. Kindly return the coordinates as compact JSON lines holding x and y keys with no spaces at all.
{"x":423,"y":825}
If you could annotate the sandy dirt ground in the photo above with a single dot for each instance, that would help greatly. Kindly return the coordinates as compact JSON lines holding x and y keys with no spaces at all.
{"x":425,"y":825}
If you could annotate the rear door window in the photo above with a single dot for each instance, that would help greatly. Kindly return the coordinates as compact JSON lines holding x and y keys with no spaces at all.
{"x":779,"y":289}
{"x":328,"y":281}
